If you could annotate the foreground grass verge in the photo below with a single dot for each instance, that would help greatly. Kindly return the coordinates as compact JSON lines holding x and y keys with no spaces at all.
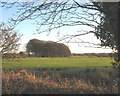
{"x":24,"y":82}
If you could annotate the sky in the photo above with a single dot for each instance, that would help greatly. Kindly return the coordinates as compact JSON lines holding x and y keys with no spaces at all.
{"x":27,"y":28}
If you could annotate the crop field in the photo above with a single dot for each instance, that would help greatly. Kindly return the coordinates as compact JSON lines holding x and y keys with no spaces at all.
{"x":77,"y":75}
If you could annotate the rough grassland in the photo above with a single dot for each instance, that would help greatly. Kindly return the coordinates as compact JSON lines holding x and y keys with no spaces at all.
{"x":25,"y":82}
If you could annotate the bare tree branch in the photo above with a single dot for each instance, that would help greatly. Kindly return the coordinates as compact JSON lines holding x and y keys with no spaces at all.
{"x":55,"y":15}
{"x":8,"y":39}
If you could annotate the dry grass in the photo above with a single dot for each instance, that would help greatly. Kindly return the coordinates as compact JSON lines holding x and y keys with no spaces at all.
{"x":24,"y":82}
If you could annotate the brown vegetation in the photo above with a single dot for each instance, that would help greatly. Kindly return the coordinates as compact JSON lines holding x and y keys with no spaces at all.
{"x":10,"y":55}
{"x":14,"y":55}
{"x":24,"y":82}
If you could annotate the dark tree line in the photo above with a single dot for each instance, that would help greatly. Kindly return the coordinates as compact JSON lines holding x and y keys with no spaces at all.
{"x":41,"y":48}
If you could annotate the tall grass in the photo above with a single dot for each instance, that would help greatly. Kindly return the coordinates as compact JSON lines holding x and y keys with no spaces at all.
{"x":89,"y":82}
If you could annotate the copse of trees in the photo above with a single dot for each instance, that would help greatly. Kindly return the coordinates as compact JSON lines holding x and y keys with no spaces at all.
{"x":39,"y":48}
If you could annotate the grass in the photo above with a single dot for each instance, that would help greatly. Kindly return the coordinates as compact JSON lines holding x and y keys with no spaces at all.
{"x":72,"y":62}
{"x":73,"y":75}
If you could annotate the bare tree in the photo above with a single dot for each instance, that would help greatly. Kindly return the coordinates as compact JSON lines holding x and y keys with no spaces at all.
{"x":8,"y":39}
{"x":51,"y":15}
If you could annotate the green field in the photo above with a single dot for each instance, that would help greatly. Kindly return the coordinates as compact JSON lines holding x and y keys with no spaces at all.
{"x":59,"y":75}
{"x":59,"y":64}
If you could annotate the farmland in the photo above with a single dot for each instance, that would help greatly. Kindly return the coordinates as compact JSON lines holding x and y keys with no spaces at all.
{"x":78,"y":74}
{"x":71,"y":62}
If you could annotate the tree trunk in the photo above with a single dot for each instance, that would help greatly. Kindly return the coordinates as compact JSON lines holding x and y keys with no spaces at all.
{"x":119,"y":46}
{"x":119,"y":33}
